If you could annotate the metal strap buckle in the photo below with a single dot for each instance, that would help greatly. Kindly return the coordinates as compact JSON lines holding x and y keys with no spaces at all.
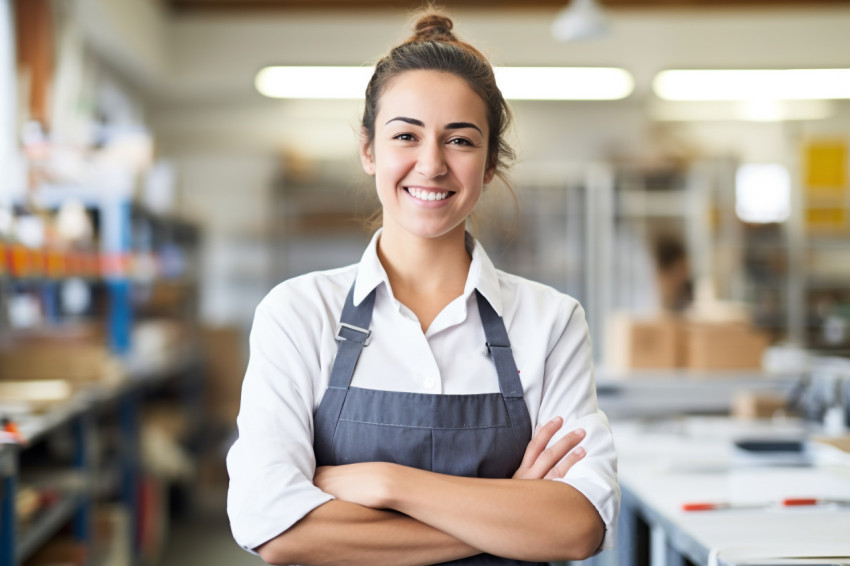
{"x":491,"y":346}
{"x":365,"y":341}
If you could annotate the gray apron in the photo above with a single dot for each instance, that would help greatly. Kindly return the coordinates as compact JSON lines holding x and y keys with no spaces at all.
{"x":477,"y":435}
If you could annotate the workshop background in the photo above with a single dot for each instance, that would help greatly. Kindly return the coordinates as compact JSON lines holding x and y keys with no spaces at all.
{"x":685,"y":177}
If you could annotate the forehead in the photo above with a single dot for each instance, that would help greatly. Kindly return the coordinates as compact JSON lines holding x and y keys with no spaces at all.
{"x":441,"y":96}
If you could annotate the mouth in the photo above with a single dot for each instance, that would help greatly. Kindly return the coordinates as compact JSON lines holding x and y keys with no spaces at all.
{"x":427,"y":195}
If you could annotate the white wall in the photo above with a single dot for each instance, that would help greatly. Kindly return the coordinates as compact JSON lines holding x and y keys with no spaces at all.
{"x":229,"y":194}
{"x":12,"y":175}
{"x":131,"y":35}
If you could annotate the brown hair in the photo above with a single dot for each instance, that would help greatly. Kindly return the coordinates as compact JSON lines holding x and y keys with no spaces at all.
{"x":433,"y":47}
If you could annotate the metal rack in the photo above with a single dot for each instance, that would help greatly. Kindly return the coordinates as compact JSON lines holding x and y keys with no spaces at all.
{"x":76,"y":505}
{"x":118,"y":404}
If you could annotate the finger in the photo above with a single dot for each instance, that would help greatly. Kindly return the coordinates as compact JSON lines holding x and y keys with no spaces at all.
{"x":552,"y":455}
{"x":539,"y":441}
{"x":561,"y":469}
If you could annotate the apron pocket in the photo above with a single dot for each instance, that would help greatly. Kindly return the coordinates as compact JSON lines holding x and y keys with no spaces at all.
{"x":356,"y":442}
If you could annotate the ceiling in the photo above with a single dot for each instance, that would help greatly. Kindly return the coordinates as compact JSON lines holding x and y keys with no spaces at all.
{"x":251,"y":5}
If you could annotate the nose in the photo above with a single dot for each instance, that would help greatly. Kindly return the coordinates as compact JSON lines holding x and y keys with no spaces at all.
{"x":430,"y":161}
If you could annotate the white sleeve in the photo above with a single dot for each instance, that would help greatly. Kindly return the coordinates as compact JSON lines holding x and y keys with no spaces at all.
{"x":271,"y":464}
{"x":569,"y":391}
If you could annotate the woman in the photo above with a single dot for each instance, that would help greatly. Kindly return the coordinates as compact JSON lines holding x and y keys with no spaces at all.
{"x":388,"y":407}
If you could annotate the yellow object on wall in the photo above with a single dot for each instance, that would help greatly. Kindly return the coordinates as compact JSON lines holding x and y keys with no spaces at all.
{"x":827,"y":219}
{"x":825,"y":166}
{"x":825,"y":185}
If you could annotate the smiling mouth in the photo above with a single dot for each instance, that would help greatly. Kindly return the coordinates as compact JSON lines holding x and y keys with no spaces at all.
{"x":424,"y":195}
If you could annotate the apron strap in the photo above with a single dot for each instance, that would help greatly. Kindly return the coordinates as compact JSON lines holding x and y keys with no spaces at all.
{"x":352,"y":335}
{"x":499,"y":348}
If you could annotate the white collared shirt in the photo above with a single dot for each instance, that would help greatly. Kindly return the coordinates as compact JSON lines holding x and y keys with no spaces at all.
{"x":292,"y":348}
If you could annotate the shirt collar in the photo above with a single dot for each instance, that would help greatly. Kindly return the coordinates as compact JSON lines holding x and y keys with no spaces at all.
{"x":370,"y":272}
{"x":482,"y":275}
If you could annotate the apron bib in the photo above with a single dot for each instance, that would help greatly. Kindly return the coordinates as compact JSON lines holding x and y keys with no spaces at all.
{"x":476,"y":435}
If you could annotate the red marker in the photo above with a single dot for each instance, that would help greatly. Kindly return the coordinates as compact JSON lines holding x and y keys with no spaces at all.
{"x":712,"y":506}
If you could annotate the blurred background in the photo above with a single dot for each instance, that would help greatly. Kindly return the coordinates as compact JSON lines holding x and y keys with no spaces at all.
{"x":155,"y":185}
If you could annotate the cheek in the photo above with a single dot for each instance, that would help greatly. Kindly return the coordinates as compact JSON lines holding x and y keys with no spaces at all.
{"x":390,"y":168}
{"x":475,"y":171}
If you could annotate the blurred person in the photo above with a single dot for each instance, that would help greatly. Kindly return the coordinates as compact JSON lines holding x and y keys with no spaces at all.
{"x":675,"y":285}
{"x":388,"y":407}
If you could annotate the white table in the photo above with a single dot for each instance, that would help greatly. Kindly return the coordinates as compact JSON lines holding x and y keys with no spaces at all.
{"x":666,"y":463}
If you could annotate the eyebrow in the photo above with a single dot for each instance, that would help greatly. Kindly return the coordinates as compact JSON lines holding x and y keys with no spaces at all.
{"x":449,"y":126}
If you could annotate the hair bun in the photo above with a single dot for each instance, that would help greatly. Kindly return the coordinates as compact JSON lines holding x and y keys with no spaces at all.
{"x":434,"y":27}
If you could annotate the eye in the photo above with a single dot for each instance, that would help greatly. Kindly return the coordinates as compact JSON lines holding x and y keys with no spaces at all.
{"x":460,"y":141}
{"x":404,"y":137}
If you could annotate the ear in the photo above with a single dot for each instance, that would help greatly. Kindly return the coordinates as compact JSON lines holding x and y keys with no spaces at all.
{"x":367,"y":158}
{"x":489,"y":173}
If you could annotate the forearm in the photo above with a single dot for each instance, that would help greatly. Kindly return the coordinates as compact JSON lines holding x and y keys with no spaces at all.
{"x":524,"y":519}
{"x":340,"y":532}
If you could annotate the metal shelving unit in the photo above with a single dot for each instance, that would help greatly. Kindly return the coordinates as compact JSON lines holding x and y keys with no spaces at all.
{"x":119,"y":405}
{"x":75,"y":506}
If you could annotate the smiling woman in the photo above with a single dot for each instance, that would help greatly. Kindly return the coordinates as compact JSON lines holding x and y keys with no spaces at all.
{"x":389,"y":407}
{"x":429,"y":169}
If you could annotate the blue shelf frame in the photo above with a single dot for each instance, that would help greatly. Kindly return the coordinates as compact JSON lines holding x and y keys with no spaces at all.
{"x":77,"y":507}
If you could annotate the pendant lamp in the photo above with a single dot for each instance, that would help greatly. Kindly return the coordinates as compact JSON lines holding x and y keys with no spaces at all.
{"x":581,"y":19}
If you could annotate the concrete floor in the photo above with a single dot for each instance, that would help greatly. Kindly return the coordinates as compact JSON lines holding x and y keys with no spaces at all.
{"x":200,"y":534}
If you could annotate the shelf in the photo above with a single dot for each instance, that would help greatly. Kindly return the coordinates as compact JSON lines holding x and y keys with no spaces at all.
{"x":830,"y":283}
{"x":85,"y":479}
{"x":664,"y":392}
{"x":635,"y":204}
{"x":838,"y":243}
{"x":46,"y":524}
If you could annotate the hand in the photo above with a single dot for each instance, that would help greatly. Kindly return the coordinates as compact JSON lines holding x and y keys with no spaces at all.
{"x":540,"y":462}
{"x":362,"y":483}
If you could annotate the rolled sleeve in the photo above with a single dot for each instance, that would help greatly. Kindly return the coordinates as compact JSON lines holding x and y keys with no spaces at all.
{"x":569,"y":391}
{"x":595,"y":476}
{"x":271,"y":464}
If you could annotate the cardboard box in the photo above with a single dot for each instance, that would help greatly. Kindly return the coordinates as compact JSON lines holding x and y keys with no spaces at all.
{"x":225,"y":357}
{"x":61,"y":550}
{"x":723,"y":346}
{"x":758,"y":404}
{"x":76,"y":362}
{"x":112,"y":535}
{"x":642,"y":344}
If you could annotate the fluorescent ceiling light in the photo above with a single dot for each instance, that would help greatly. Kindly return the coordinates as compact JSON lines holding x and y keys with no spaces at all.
{"x":762,"y":193}
{"x":313,"y":82}
{"x":516,"y":83}
{"x":759,"y":84}
{"x":740,"y":110}
{"x":564,"y":83}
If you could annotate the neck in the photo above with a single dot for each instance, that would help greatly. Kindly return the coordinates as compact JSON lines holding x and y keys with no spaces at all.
{"x":425,"y":274}
{"x":423,"y":265}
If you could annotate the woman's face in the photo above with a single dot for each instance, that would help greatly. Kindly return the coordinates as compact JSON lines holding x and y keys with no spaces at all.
{"x":429,"y":155}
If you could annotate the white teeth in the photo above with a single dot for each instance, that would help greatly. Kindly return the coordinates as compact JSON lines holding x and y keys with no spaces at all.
{"x":427,"y":195}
